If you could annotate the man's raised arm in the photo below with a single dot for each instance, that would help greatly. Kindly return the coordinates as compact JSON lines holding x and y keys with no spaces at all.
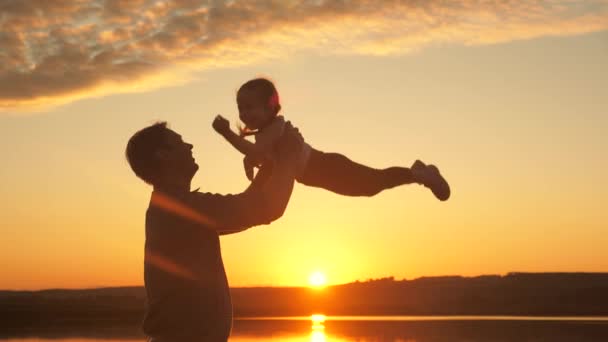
{"x":266,"y":198}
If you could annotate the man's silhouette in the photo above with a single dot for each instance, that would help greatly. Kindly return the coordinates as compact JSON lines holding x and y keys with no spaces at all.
{"x":187,"y":291}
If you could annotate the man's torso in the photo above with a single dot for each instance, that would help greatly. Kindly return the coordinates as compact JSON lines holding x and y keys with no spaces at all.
{"x":186,"y":286}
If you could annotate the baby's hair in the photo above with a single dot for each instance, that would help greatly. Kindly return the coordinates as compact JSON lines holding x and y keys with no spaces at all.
{"x":266,"y":90}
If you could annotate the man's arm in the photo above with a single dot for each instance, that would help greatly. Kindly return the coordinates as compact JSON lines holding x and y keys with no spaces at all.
{"x":264,"y":201}
{"x":256,"y":187}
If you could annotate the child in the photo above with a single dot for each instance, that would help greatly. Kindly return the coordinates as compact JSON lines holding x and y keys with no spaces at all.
{"x":259,"y":106}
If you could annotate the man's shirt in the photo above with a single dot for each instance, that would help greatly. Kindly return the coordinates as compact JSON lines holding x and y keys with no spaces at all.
{"x":188,"y":298}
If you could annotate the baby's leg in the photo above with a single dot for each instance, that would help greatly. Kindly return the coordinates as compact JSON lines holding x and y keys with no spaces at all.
{"x":337,"y":173}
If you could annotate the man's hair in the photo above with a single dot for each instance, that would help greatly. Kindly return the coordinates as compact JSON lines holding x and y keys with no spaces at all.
{"x":141,"y":151}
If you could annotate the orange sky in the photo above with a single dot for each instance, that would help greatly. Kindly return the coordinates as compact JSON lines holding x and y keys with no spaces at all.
{"x":511,"y":107}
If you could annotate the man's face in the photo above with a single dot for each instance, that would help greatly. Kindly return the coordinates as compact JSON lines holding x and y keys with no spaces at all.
{"x":177,"y":159}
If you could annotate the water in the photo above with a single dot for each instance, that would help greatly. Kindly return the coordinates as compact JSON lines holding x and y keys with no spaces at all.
{"x":318,"y":328}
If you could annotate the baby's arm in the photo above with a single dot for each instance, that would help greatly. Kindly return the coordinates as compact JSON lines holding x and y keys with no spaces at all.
{"x":246,"y":147}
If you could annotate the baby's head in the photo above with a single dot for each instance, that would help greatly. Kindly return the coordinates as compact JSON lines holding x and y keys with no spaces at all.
{"x":258,"y":102}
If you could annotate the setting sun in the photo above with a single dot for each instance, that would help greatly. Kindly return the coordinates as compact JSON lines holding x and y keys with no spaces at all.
{"x":317,"y":279}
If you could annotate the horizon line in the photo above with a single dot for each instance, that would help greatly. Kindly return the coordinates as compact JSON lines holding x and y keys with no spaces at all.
{"x":369,"y":280}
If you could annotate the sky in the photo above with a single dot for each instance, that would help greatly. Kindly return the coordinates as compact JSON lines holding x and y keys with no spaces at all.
{"x":508,"y":98}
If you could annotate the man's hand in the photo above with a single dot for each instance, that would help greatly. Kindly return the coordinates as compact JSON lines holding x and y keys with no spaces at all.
{"x":290,"y":144}
{"x":221,"y":125}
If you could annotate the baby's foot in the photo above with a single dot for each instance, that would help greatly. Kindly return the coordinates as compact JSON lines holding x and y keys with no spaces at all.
{"x":429,"y":176}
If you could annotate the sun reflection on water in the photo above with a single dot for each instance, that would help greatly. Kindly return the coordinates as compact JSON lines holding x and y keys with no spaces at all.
{"x":318,"y":328}
{"x":317,"y":336}
{"x":317,"y":321}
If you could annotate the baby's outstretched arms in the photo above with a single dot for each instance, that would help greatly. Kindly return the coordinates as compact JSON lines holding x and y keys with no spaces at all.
{"x":246,"y":147}
{"x":253,"y":155}
{"x":221,"y":125}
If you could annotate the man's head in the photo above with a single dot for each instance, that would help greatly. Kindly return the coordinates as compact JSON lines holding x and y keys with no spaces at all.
{"x":159,"y":156}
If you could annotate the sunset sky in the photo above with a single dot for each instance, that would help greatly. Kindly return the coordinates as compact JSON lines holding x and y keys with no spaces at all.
{"x":508,"y":98}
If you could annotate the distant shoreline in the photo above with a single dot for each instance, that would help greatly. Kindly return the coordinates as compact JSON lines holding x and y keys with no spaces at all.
{"x":432,"y":318}
{"x":423,"y":278}
{"x":511,"y":295}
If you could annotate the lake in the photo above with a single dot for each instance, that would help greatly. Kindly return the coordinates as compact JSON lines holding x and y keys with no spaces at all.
{"x":318,"y":328}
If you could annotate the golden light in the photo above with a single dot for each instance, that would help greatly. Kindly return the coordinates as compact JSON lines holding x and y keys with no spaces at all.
{"x":317,"y":279}
{"x":317,"y":318}
{"x":317,"y":336}
{"x":318,"y":323}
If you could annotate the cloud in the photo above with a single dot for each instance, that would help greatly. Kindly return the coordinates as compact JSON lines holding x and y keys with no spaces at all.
{"x":53,"y":52}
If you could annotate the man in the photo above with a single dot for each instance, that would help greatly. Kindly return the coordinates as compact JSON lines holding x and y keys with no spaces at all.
{"x":187,"y":291}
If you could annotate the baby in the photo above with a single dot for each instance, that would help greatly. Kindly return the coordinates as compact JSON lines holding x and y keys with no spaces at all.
{"x":259,"y":107}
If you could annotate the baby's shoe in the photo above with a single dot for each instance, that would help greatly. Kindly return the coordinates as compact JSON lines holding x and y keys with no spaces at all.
{"x":429,"y":176}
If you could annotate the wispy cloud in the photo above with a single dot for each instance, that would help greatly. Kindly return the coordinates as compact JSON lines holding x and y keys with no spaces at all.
{"x":52,"y":52}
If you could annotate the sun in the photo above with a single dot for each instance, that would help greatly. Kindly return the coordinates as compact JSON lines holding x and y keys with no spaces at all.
{"x":317,"y":279}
